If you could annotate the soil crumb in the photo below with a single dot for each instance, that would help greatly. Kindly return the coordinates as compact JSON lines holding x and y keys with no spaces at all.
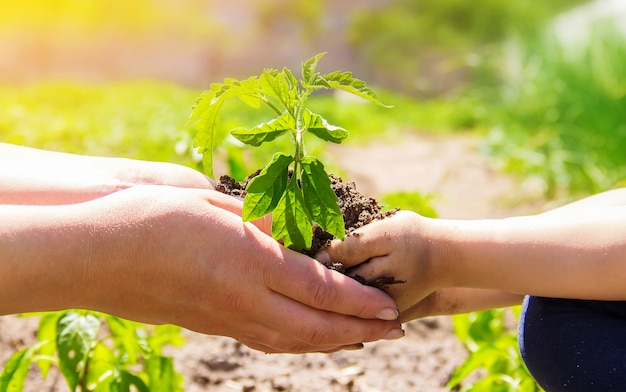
{"x":357,"y":209}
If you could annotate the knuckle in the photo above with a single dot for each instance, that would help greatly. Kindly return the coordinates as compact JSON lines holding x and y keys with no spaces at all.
{"x":318,"y":336}
{"x":283,"y":344}
{"x":233,"y":302}
{"x":296,"y":348}
{"x":323,"y":293}
{"x":362,"y":310}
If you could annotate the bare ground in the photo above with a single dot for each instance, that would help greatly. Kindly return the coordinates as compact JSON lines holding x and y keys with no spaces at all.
{"x":466,"y":187}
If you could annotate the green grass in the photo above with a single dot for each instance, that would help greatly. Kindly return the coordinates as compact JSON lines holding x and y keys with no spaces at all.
{"x":135,"y":119}
{"x":145,"y":120}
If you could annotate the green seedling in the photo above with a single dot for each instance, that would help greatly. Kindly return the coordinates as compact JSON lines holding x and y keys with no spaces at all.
{"x":294,"y":187}
{"x":97,"y":352}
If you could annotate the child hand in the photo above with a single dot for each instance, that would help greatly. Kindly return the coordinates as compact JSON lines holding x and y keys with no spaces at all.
{"x":396,"y":247}
{"x":405,"y":247}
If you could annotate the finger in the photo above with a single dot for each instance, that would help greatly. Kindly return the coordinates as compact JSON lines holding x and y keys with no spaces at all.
{"x":369,"y":241}
{"x":423,"y":308}
{"x":304,"y":329}
{"x":235,"y":205}
{"x":289,"y":346}
{"x":279,"y":337}
{"x":307,"y":281}
{"x":373,"y":268}
{"x":224,"y":201}
{"x":455,"y":300}
{"x":274,"y":350}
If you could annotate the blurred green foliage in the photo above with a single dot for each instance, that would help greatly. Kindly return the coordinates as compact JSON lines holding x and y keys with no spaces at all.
{"x":97,"y":352}
{"x":407,"y":38}
{"x":452,"y":24}
{"x":141,"y":120}
{"x":144,"y":120}
{"x":444,"y":114}
{"x":411,"y":201}
{"x":305,"y":13}
{"x":493,"y":350}
{"x":561,"y":116}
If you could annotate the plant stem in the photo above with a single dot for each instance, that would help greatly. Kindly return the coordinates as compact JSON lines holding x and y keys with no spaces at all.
{"x":300,"y":128}
{"x":270,"y":104}
{"x":300,"y":107}
{"x":299,"y":140}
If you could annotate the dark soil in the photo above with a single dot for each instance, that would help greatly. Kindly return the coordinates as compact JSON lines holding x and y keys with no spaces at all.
{"x":357,"y":209}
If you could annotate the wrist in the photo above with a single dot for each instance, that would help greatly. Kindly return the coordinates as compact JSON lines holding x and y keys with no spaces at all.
{"x":456,"y":250}
{"x":45,"y":253}
{"x":115,"y":250}
{"x":438,"y":245}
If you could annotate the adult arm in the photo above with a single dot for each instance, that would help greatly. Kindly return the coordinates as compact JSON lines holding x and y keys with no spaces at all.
{"x":39,"y":177}
{"x":575,"y":251}
{"x":160,"y":254}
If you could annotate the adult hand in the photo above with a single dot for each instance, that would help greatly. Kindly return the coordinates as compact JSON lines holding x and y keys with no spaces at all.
{"x":160,"y":254}
{"x":38,"y":177}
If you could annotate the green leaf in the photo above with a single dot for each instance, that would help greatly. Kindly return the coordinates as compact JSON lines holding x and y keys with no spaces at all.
{"x":293,"y":82}
{"x":103,"y":375}
{"x":75,"y":334}
{"x":310,"y":78}
{"x":161,"y":374}
{"x":239,"y":88}
{"x":162,"y":335}
{"x":472,"y":363}
{"x":128,"y":380}
{"x":47,"y":331}
{"x":124,"y":333}
{"x":320,"y":199}
{"x":318,"y":126}
{"x":280,"y":85}
{"x":309,"y":66}
{"x":205,"y":115}
{"x":290,"y":221}
{"x":273,"y":83}
{"x":247,"y":90}
{"x":203,"y":122}
{"x":345,"y":81}
{"x":265,"y":132}
{"x":16,"y":368}
{"x":266,"y":189}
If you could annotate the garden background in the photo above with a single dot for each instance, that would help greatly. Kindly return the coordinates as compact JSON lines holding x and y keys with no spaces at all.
{"x":499,"y":108}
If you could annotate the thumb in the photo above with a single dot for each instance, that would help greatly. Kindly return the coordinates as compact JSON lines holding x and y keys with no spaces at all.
{"x":371,"y":240}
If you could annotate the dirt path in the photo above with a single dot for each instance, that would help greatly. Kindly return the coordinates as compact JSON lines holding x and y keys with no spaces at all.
{"x":466,"y":188}
{"x":451,"y":167}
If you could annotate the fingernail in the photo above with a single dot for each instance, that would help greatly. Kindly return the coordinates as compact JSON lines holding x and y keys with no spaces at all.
{"x":388,"y":314}
{"x":394,"y":334}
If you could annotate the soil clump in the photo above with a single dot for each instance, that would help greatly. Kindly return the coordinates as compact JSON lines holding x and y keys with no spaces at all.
{"x":357,"y":210}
